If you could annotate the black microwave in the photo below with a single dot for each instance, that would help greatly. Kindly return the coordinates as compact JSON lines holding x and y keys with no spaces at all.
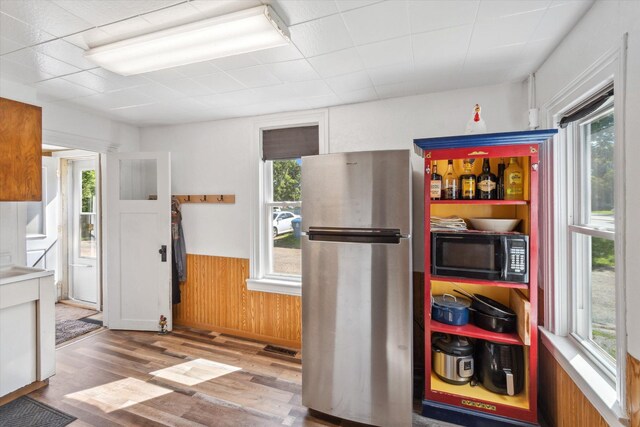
{"x":480,"y":255}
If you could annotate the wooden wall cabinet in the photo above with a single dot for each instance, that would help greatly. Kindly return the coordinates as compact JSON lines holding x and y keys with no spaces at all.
{"x":20,"y":151}
{"x":473,"y":405}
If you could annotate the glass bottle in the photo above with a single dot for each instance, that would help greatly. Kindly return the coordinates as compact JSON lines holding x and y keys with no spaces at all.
{"x":467,"y":181}
{"x":500,"y":188}
{"x":436,"y":183}
{"x":450,"y":183}
{"x":486,"y":183}
{"x":513,"y":181}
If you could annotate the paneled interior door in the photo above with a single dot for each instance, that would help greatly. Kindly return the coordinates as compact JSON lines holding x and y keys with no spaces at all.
{"x":138,"y":261}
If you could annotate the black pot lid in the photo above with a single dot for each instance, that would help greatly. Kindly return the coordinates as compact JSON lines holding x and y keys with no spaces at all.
{"x":450,"y":301}
{"x":452,"y":344}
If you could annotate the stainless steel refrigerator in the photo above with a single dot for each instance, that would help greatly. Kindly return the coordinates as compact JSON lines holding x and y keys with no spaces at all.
{"x":356,"y":286}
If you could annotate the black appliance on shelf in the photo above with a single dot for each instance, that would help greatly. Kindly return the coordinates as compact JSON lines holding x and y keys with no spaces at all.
{"x":500,"y":257}
{"x":500,"y":367}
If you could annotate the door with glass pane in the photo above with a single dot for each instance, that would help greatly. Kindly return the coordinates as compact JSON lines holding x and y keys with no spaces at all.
{"x":138,"y":241}
{"x":84,"y":232}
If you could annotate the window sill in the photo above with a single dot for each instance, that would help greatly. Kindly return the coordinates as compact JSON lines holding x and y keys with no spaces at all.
{"x":274,"y":286}
{"x":586,"y":376}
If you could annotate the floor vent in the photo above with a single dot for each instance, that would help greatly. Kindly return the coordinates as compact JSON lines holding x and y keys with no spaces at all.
{"x":280,"y":350}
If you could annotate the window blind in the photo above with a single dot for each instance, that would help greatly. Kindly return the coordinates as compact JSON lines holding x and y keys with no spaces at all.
{"x":290,"y":143}
{"x":586,"y":108}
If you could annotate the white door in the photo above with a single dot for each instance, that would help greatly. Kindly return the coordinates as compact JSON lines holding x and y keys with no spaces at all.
{"x":84,"y":232}
{"x":138,"y":280}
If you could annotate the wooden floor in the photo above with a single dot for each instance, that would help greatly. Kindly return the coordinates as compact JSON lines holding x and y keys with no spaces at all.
{"x":186,"y":378}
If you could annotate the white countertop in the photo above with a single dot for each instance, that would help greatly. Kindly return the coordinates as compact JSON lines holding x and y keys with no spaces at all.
{"x":18,"y":273}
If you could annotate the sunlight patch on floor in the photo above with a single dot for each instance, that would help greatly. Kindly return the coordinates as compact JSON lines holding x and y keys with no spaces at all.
{"x":119,"y":394}
{"x":195,"y":371}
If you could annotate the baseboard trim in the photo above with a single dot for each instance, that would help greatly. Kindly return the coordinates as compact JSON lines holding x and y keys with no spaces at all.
{"x":23,"y":391}
{"x":241,"y":334}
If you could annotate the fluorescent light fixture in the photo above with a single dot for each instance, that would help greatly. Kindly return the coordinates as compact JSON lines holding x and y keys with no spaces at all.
{"x":240,"y":32}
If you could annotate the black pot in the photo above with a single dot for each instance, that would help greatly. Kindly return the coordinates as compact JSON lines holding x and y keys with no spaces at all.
{"x":491,"y":307}
{"x":500,"y":367}
{"x":493,"y":323}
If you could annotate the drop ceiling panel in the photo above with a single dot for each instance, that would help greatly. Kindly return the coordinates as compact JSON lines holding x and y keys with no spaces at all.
{"x":342,"y":51}
{"x":380,"y":21}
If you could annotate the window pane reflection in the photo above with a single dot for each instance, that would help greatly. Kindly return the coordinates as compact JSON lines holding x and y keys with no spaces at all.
{"x":286,"y":258}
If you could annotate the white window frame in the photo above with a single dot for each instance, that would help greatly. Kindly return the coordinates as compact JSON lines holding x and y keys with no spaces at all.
{"x":261,"y":222}
{"x":607,"y":396}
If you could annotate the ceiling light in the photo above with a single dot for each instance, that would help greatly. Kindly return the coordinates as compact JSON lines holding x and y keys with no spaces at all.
{"x":240,"y":32}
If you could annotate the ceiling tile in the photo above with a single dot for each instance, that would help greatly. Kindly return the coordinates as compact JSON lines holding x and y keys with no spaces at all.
{"x":429,"y":51}
{"x":20,"y":73}
{"x":378,"y":22}
{"x":61,"y":89}
{"x":163,"y":76}
{"x":174,"y":15}
{"x":127,"y":98}
{"x":276,"y":92}
{"x":22,"y":33}
{"x":560,"y":19}
{"x":219,"y":83}
{"x":438,"y":14}
{"x":44,"y":15}
{"x":32,"y":59}
{"x":360,"y":95}
{"x":254,"y":76}
{"x":496,"y":59}
{"x":188,"y":87}
{"x":7,"y":45}
{"x":278,"y":54}
{"x":230,"y":99}
{"x":386,"y":53}
{"x":66,"y":52}
{"x":294,"y":11}
{"x":222,"y":7}
{"x":391,"y":74}
{"x":490,"y":9}
{"x":336,"y":63}
{"x":293,"y":71}
{"x":236,"y":61}
{"x":506,"y":31}
{"x":161,"y":93}
{"x":86,"y":39}
{"x":123,"y":82}
{"x":349,"y":82}
{"x":196,"y":70}
{"x":126,"y":28}
{"x":100,"y":12}
{"x":92,"y":81}
{"x":311,"y":88}
{"x":344,"y":5}
{"x":323,"y":101}
{"x":323,"y":35}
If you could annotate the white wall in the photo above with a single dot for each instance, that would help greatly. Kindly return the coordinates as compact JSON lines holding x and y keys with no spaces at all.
{"x":601,"y":30}
{"x":213,"y":157}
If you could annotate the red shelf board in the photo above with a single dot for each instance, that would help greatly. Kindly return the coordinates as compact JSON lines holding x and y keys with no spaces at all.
{"x":473,"y":331}
{"x":478,"y":202}
{"x":480,"y":282}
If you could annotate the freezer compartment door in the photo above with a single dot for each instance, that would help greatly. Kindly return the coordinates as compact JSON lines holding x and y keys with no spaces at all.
{"x":358,"y":190}
{"x":356,"y":331}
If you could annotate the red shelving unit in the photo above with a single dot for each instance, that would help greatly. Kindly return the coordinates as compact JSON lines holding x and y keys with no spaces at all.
{"x":467,"y":404}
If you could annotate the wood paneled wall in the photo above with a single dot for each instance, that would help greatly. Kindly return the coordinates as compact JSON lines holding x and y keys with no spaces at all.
{"x":560,"y":399}
{"x":633,"y":390}
{"x":215,"y":297}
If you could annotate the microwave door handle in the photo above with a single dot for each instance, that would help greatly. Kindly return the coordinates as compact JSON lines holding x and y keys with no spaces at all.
{"x":505,"y":261}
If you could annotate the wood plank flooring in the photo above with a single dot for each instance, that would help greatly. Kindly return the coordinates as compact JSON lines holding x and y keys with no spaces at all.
{"x":187,"y":378}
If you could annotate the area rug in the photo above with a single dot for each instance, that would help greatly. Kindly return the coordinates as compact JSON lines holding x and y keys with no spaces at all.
{"x":28,"y":412}
{"x":69,"y":329}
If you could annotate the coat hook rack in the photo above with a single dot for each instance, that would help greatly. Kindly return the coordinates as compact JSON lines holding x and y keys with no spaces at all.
{"x":206,"y":198}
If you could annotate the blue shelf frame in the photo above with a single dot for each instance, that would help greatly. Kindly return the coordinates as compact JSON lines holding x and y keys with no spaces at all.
{"x":484,"y":139}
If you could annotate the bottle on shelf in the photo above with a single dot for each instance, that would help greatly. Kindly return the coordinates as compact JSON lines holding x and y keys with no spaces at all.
{"x":436,"y":183}
{"x":513,"y":181}
{"x":468,"y":181}
{"x":450,"y":183}
{"x":500,"y":187}
{"x":486,"y":183}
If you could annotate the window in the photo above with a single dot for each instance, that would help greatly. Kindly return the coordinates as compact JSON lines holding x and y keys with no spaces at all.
{"x":591,"y":228}
{"x":276,"y":262}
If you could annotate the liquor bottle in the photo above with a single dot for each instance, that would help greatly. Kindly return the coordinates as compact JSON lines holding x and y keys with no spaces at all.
{"x":436,"y":183}
{"x":513,"y":182}
{"x":467,"y":182}
{"x":486,"y":182}
{"x":500,"y":188}
{"x":450,"y":183}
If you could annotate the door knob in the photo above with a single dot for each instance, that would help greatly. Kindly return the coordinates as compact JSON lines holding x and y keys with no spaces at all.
{"x":163,"y":252}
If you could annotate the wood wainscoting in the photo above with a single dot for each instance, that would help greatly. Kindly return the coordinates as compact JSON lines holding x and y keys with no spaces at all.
{"x":633,"y":390}
{"x":560,"y":399}
{"x":215,"y":297}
